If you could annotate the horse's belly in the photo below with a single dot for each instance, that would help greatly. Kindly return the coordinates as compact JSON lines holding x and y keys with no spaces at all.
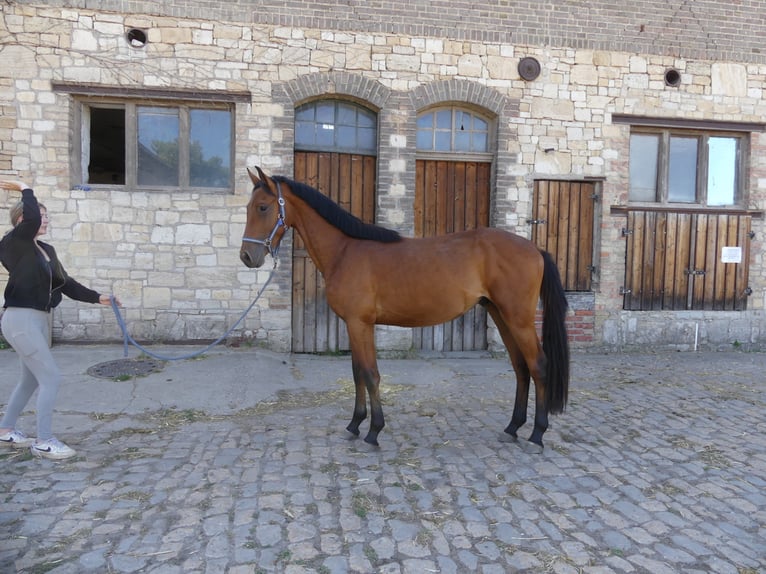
{"x":422,"y":312}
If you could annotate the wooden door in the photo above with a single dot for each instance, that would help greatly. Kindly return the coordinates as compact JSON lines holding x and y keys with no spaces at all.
{"x":562,"y":225}
{"x":349,"y":180}
{"x":452,"y":196}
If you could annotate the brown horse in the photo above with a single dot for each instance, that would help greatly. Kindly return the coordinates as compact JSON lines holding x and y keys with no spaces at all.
{"x":375,"y":276}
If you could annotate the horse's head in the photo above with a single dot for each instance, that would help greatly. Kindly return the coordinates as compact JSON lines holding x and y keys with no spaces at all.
{"x":265,"y":220}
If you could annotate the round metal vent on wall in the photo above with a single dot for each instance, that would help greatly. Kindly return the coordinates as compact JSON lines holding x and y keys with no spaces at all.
{"x":529,"y":68}
{"x":672,"y":77}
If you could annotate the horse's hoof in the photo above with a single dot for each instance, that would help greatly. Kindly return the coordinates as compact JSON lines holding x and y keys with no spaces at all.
{"x":371,"y":440}
{"x":349,"y":436}
{"x":508,"y":437}
{"x":530,"y":447}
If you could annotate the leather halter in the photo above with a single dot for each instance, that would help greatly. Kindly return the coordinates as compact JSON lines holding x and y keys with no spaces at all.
{"x":280,"y":223}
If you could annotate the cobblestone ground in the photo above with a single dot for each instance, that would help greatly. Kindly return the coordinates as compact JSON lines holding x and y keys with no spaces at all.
{"x":658,"y":465}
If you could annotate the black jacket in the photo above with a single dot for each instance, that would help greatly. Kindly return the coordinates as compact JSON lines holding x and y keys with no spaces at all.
{"x":33,"y":282}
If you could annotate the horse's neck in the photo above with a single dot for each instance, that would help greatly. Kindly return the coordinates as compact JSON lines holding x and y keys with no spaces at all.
{"x":324,"y":242}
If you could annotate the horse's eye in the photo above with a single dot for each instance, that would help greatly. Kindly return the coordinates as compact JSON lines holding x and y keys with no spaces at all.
{"x":263,"y":208}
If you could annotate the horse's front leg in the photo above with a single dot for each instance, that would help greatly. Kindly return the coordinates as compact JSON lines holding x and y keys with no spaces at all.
{"x":366,"y":378}
{"x":360,"y":403}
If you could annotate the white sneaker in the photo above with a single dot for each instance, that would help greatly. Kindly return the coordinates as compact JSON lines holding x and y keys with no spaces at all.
{"x":16,"y":439}
{"x":52,"y":448}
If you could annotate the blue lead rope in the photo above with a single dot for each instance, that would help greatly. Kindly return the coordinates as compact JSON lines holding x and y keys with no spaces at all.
{"x":128,"y":339}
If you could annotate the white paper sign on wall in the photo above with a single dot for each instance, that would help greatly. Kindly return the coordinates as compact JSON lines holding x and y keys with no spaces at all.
{"x":731,"y":255}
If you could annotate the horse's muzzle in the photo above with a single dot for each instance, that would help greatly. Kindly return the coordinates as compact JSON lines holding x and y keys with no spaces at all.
{"x":251,"y":259}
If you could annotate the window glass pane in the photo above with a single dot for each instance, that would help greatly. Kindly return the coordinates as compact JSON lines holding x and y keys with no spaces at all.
{"x":425,"y":139}
{"x":644,"y":151}
{"x":365,"y":119}
{"x":305,"y":113}
{"x":426,"y":121}
{"x":462,"y":121}
{"x":722,"y":171}
{"x":443,"y":141}
{"x":157,"y":146}
{"x":366,"y":139}
{"x":210,"y":148}
{"x":325,"y":112}
{"x":480,"y":143}
{"x":682,"y":170}
{"x":325,"y":135}
{"x":107,"y":146}
{"x":345,"y":137}
{"x":304,"y":133}
{"x":462,"y":141}
{"x":444,"y":119}
{"x":479,"y":124}
{"x":346,"y":115}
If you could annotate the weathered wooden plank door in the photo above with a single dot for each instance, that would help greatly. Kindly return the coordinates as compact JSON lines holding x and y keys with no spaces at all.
{"x":452,"y":196}
{"x":349,"y":180}
{"x":562,"y":224}
{"x":686,"y":260}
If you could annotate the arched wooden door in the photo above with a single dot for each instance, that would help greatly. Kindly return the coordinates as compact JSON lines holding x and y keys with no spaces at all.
{"x":335,"y":145}
{"x":452,"y":191}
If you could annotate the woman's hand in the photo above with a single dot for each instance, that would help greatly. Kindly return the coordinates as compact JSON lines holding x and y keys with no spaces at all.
{"x":12,"y":185}
{"x":107,"y":300}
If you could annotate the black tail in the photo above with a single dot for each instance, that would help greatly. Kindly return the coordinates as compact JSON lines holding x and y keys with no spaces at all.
{"x":555,"y":342}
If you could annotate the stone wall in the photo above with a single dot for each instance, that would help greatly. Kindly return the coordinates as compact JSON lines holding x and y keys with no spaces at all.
{"x":172,"y":257}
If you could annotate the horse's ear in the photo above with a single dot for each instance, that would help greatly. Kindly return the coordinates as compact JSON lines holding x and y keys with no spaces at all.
{"x":253,"y":177}
{"x":262,"y":175}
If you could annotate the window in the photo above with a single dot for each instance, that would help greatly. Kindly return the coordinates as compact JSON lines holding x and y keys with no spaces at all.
{"x":156,"y":146}
{"x":452,"y":130}
{"x":334,"y":125}
{"x":701,"y":168}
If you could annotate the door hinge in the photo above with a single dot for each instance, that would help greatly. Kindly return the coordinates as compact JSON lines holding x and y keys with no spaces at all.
{"x":751,"y":234}
{"x":695,"y":271}
{"x":537,"y":221}
{"x":748,"y":291}
{"x":626,"y":232}
{"x":595,"y":197}
{"x":592,"y":268}
{"x":624,"y":291}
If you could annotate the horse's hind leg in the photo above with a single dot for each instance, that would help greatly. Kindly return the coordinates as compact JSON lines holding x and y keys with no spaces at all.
{"x":519,"y":416}
{"x":528,"y":360}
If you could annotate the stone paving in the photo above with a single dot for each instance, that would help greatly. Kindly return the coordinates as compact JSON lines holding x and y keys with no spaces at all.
{"x":658,"y":465}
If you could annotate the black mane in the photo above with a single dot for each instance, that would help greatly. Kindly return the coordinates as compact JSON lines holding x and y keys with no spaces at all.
{"x":336,"y":216}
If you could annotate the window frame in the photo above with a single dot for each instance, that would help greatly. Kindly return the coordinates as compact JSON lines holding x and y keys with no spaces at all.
{"x":130,"y":106}
{"x":336,"y":145}
{"x":452,"y":154}
{"x":84,"y":94}
{"x":701,"y":188}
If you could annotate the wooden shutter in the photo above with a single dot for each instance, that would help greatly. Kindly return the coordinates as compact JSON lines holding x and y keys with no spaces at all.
{"x":562,"y":224}
{"x":674,"y":261}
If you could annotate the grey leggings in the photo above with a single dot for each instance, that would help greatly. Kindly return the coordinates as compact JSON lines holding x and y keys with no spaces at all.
{"x":27,"y":332}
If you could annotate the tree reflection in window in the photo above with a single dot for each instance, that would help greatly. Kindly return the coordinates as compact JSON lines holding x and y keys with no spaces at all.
{"x":209,"y":148}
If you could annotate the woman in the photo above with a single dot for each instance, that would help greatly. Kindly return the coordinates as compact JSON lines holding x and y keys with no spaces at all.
{"x":36,"y":283}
